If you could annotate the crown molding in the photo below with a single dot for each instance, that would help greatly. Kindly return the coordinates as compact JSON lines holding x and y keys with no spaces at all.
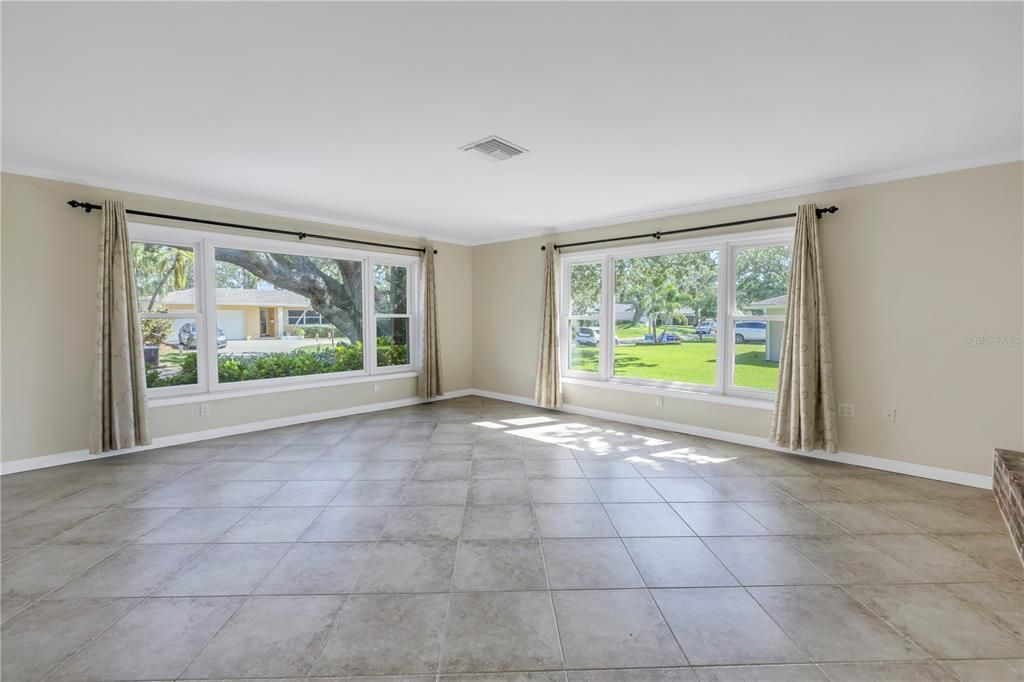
{"x":843,"y":182}
{"x":327,"y":220}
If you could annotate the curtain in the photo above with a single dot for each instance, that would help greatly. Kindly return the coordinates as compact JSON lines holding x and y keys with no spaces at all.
{"x":805,"y":410}
{"x":431,"y":384}
{"x":119,"y":375}
{"x":548,"y":392}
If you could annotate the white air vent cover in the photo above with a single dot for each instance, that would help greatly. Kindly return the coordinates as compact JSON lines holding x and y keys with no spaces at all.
{"x":495,"y":148}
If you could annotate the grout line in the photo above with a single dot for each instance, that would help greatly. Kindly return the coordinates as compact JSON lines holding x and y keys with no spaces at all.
{"x":578,"y":457}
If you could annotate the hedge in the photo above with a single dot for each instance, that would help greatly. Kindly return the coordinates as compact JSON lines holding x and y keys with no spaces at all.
{"x":274,"y":365}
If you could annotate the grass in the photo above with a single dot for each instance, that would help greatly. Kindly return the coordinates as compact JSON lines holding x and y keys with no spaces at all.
{"x":691,"y":362}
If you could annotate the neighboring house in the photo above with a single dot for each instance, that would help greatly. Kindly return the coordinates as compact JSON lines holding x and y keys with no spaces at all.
{"x":769,"y":306}
{"x":624,"y":313}
{"x":250,"y":313}
{"x":775,"y":305}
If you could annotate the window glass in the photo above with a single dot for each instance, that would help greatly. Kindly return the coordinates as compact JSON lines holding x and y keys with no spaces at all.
{"x":583,"y":348}
{"x":665,"y":308}
{"x":255,"y":294}
{"x":392,"y":341}
{"x":584,"y":317}
{"x":391,"y":306}
{"x":170,"y":351}
{"x":164,"y":277}
{"x":762,"y":281}
{"x":390,"y":284}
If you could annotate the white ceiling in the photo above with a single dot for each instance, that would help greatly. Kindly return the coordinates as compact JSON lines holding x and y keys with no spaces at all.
{"x":354,"y":113}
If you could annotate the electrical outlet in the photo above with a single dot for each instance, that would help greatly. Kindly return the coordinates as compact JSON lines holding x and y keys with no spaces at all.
{"x":204,"y":409}
{"x":847,"y":410}
{"x":889,"y":415}
{"x":659,"y":401}
{"x":376,"y":388}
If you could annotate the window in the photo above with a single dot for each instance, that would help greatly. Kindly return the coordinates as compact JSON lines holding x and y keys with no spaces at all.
{"x":165,"y":282}
{"x":391,"y":313}
{"x":304,"y":317}
{"x":222,"y":312}
{"x":584,"y":318}
{"x":663,"y":300}
{"x":761,"y":282}
{"x":702,"y":315}
{"x":253,"y":288}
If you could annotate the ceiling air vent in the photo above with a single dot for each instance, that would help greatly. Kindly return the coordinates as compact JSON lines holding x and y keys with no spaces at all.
{"x":495,"y":148}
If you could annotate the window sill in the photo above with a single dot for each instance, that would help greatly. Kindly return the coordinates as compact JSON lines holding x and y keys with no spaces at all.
{"x":284,"y":388}
{"x":736,"y":401}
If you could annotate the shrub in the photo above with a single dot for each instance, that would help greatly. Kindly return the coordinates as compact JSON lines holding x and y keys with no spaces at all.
{"x":300,"y":362}
{"x":323,"y":331}
{"x":189,"y":374}
{"x":154,"y":331}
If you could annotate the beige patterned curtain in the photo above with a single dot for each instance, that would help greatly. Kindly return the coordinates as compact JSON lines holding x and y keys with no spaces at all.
{"x":431,"y":384}
{"x":805,"y":411}
{"x":548,"y":392}
{"x":119,"y":375}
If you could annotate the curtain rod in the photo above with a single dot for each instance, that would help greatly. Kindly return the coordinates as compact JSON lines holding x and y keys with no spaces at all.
{"x":74,"y":203}
{"x":659,"y":235}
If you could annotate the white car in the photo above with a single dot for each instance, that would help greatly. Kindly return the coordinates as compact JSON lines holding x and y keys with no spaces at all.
{"x":751,"y":331}
{"x":706,"y":328}
{"x":587,"y":336}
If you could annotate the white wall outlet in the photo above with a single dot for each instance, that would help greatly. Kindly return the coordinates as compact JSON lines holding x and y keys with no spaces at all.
{"x":847,"y":410}
{"x":659,"y":401}
{"x":204,"y":409}
{"x":376,"y":388}
{"x":889,"y":415}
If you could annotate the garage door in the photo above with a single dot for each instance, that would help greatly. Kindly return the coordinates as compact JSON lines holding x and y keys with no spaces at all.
{"x":232,"y":323}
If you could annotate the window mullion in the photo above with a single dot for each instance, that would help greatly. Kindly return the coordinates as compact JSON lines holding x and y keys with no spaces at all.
{"x":605,"y":361}
{"x":206,"y":302}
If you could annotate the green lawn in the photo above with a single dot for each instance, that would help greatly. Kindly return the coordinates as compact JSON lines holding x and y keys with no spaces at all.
{"x":691,"y":362}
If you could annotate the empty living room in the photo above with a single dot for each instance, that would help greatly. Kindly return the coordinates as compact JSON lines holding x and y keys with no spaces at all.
{"x":509,"y":341}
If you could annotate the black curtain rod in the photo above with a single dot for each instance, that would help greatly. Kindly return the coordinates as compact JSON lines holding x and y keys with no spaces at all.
{"x":659,"y":235}
{"x":273,"y":230}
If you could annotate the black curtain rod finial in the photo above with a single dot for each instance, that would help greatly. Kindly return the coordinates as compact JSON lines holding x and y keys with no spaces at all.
{"x":823,"y":211}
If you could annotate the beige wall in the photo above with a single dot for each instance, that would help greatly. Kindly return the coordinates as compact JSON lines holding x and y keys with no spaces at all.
{"x":48,"y":274}
{"x":913,"y":268}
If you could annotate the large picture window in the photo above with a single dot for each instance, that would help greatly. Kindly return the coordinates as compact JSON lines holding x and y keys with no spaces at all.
{"x":703,"y":315}
{"x":220,"y":312}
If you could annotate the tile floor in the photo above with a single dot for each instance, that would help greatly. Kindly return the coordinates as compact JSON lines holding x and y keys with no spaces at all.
{"x":472,"y":539}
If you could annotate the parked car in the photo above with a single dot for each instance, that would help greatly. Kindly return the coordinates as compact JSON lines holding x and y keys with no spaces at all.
{"x":187,"y":337}
{"x":706,"y":328}
{"x":751,"y":331}
{"x":587,"y":336}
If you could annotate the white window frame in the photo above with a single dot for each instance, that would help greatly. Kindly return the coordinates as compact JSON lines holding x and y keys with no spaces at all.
{"x":204,"y":245}
{"x":565,"y":326}
{"x":411,"y":305}
{"x":727,"y":246}
{"x":198,"y":275}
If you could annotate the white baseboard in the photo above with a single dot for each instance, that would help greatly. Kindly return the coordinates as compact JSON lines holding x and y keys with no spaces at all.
{"x":46,"y":461}
{"x":869,"y":461}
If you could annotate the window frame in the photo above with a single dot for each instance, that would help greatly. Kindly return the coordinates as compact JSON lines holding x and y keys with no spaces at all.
{"x":199,"y":275}
{"x":205,"y":244}
{"x":565,"y":326}
{"x":728,"y":246}
{"x":411,"y":291}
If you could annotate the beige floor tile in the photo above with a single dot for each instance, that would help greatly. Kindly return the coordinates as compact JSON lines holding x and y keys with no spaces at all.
{"x":614,"y":629}
{"x":915,"y":609}
{"x":829,"y":625}
{"x":721,"y":626}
